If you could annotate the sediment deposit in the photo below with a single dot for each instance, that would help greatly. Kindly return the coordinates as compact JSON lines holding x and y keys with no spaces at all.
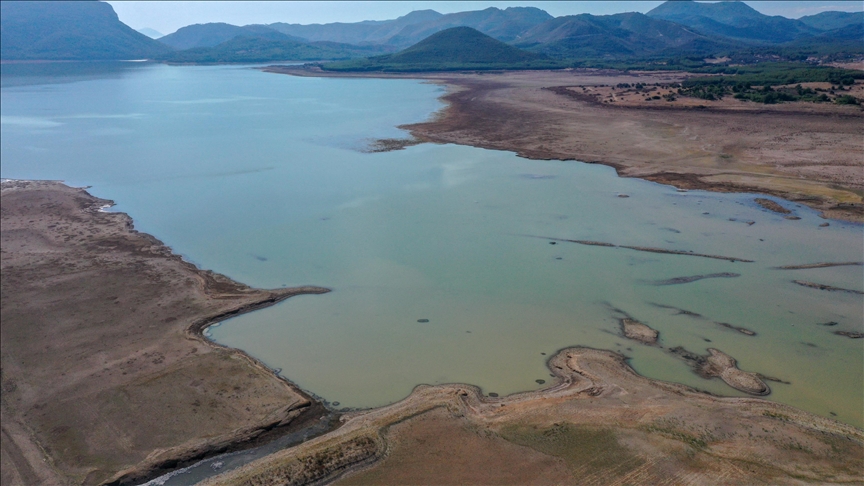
{"x":105,"y":374}
{"x":598,"y":423}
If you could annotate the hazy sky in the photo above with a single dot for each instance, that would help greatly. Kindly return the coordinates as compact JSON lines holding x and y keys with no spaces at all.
{"x":168,"y":16}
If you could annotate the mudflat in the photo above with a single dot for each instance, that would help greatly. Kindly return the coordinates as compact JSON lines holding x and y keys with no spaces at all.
{"x":804,"y":152}
{"x":105,"y":375}
{"x":598,"y":423}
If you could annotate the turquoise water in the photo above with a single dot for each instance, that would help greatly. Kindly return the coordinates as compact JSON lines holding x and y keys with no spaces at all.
{"x":262,"y":177}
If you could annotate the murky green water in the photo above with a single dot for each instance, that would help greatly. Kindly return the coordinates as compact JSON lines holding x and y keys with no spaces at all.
{"x":258,"y":176}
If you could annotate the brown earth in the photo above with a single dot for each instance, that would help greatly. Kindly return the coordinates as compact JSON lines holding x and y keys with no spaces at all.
{"x":105,"y":374}
{"x":599,"y":423}
{"x":808,"y":153}
{"x":633,"y":329}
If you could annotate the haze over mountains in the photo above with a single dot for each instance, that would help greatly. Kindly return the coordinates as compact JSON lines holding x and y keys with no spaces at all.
{"x":213,"y":34}
{"x":91,"y":30}
{"x":151,"y":33}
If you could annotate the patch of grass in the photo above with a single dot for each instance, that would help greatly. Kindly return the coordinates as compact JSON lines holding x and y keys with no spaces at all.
{"x":775,"y":415}
{"x":581,"y":447}
{"x":673,"y":433}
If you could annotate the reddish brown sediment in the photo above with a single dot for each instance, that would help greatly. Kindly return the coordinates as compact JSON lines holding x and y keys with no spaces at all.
{"x":718,"y":364}
{"x":694,"y":278}
{"x":649,"y":250}
{"x":829,"y":288}
{"x":850,"y":334}
{"x":683,"y":312}
{"x":391,"y":144}
{"x":771,"y":205}
{"x":633,"y":329}
{"x":819,"y":265}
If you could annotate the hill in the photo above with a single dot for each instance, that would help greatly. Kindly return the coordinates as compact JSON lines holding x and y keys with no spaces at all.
{"x":257,"y":49}
{"x":213,"y":34}
{"x":833,"y":20}
{"x":460,"y":44}
{"x":366,"y":32}
{"x":456,"y":48}
{"x":86,"y":30}
{"x":618,"y":36}
{"x":842,"y":44}
{"x":733,"y":20}
{"x":505,"y":25}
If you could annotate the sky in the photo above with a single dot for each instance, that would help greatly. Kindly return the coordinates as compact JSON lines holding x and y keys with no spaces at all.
{"x":168,"y":16}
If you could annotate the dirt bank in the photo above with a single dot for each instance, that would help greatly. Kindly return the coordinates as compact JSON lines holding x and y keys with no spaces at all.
{"x":599,"y":423}
{"x":105,"y":374}
{"x":804,"y":152}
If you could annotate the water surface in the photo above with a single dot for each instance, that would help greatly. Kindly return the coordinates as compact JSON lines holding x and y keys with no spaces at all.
{"x":262,"y":177}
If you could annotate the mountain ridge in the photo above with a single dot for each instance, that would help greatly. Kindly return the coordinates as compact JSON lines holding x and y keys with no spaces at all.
{"x":46,"y":30}
{"x":90,"y":30}
{"x":618,"y":35}
{"x":733,"y":20}
{"x":453,"y":48}
{"x":215,"y":33}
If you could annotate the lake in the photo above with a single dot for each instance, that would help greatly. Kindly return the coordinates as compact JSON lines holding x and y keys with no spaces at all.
{"x":437,"y":254}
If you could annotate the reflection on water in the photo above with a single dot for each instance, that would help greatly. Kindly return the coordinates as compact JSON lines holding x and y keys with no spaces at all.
{"x":431,"y":253}
{"x":37,"y":73}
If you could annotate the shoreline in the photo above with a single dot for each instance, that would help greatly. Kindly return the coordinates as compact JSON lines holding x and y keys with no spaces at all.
{"x":527,"y":114}
{"x":241,"y":440}
{"x":591,"y":388}
{"x":358,"y":442}
{"x":156,"y":361}
{"x":162,"y":460}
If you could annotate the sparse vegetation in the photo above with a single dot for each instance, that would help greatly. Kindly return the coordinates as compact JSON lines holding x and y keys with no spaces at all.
{"x":762,"y":84}
{"x":594,"y":449}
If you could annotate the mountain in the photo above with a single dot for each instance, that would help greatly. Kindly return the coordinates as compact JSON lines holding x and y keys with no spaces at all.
{"x":625,"y":35}
{"x":833,"y":20}
{"x":367,"y":32}
{"x":151,"y":33}
{"x":851,"y":32}
{"x":844,"y":42}
{"x":213,"y":34}
{"x":456,"y":48}
{"x":505,"y":25}
{"x":258,"y":49}
{"x":461,"y":45}
{"x":58,"y":30}
{"x":733,"y":20}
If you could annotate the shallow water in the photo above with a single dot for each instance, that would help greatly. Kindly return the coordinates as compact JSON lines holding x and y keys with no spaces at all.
{"x":259,"y":176}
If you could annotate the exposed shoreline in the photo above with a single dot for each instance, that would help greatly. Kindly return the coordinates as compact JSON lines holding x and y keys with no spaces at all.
{"x":160,"y":371}
{"x":593,"y":391}
{"x":223,"y":299}
{"x":777,"y":150}
{"x":360,"y":440}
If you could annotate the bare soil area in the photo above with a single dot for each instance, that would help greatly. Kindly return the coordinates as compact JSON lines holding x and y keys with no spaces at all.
{"x":105,"y":374}
{"x":637,"y":331}
{"x":598,"y":423}
{"x":809,"y":153}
